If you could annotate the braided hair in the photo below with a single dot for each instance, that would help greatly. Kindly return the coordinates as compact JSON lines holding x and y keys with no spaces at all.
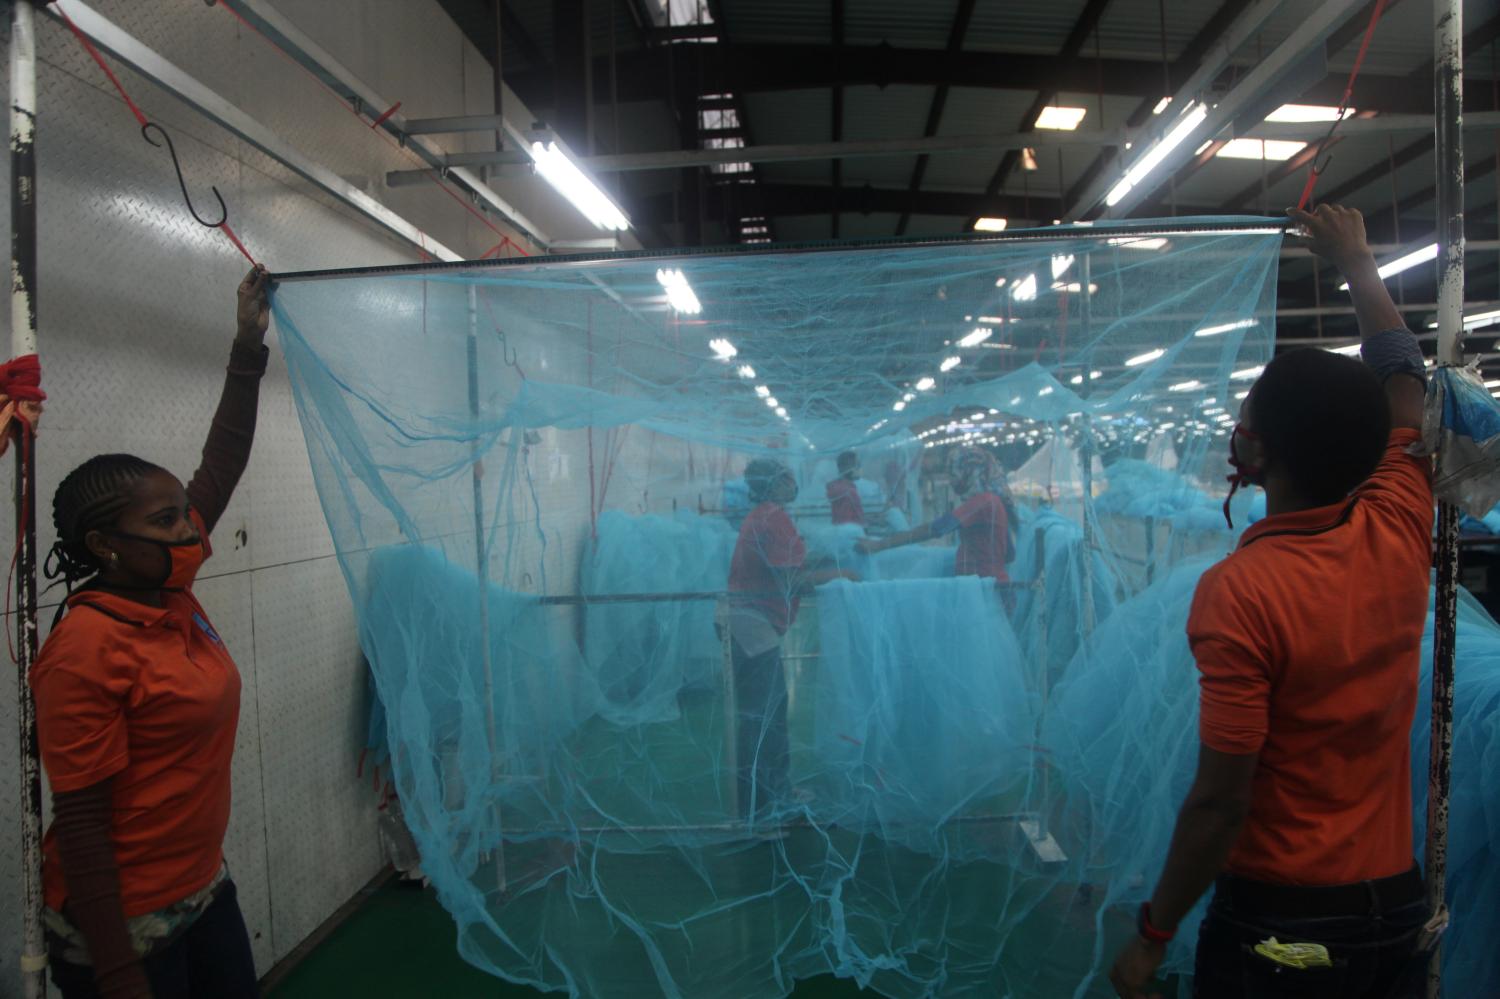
{"x":91,"y":497}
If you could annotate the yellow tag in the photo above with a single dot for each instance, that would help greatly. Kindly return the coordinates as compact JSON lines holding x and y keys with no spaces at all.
{"x":1294,"y":955}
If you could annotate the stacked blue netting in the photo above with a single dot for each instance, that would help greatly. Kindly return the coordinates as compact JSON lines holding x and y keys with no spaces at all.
{"x":942,"y":782}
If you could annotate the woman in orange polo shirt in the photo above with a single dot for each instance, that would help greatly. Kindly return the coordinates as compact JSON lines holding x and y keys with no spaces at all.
{"x":137,"y":703}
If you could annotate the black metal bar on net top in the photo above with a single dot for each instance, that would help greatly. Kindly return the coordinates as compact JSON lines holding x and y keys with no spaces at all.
{"x":1146,"y":227}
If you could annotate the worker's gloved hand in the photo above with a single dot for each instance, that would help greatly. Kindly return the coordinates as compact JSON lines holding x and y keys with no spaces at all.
{"x":1335,"y":233}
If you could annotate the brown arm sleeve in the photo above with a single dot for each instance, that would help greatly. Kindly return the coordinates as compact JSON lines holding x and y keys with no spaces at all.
{"x":227,"y":450}
{"x":81,"y":823}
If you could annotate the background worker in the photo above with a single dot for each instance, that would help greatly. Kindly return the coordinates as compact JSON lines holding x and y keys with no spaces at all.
{"x":984,"y":520}
{"x":768,"y":575}
{"x":1300,"y":813}
{"x":843,"y":492}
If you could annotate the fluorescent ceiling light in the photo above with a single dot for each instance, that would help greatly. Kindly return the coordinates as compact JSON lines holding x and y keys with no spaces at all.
{"x":1349,"y":350}
{"x":949,"y":363}
{"x":1166,"y":426}
{"x":571,"y":182}
{"x":1000,"y":282}
{"x":746,"y":372}
{"x":1060,"y":264}
{"x":979,"y":336}
{"x":762,"y":391}
{"x":1186,"y":386}
{"x":771,"y":402}
{"x":1189,"y":122}
{"x":1062,"y":119}
{"x":680,"y":293}
{"x":900,"y":405}
{"x":1242,"y":395}
{"x":781,"y":411}
{"x":1145,"y":358}
{"x":1074,"y":287}
{"x":988,"y":224}
{"x":1403,"y":263}
{"x":1242,"y":324}
{"x":723,"y":348}
{"x":1260,"y":149}
{"x":1025,"y":289}
{"x":925,"y":383}
{"x":1046,"y":391}
{"x":1224,"y":418}
{"x":1134,"y":243}
{"x":1307,"y":112}
{"x":1244,"y":373}
{"x":1479,"y":319}
{"x":1493,"y":384}
{"x":1162,"y":105}
{"x":997,"y":320}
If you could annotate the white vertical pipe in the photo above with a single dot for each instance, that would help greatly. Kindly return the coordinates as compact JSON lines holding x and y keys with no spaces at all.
{"x":23,"y":341}
{"x":1448,"y":138}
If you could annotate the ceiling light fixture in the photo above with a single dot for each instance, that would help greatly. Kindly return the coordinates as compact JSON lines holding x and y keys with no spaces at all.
{"x":1192,"y":117}
{"x":989,"y":224}
{"x":572,"y":183}
{"x":679,"y":292}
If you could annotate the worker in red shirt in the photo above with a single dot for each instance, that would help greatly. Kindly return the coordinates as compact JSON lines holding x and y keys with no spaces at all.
{"x":768,"y":574}
{"x":1307,"y":640}
{"x":137,"y":700}
{"x":983,"y":520}
{"x":843,"y":492}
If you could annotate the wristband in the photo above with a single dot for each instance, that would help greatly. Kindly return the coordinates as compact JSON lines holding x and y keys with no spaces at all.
{"x":1146,"y":930}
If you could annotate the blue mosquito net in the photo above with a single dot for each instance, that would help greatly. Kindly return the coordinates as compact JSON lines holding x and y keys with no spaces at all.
{"x":743,"y":617}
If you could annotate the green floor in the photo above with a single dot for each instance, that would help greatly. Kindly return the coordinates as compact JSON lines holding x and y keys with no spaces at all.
{"x":400,"y":945}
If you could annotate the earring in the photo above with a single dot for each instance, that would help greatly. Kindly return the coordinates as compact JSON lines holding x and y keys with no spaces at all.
{"x":114,"y":558}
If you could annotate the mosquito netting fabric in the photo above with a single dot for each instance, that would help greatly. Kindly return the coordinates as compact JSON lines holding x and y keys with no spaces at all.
{"x":921,"y":768}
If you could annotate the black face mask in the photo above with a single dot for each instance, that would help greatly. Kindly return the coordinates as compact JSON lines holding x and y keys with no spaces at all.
{"x":182,"y":559}
{"x":1243,"y":474}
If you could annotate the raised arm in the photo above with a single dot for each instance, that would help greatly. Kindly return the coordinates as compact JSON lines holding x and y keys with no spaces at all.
{"x":1338,"y":235}
{"x":230,"y":435}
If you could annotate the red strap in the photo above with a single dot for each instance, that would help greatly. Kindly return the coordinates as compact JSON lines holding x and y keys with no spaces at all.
{"x":224,"y":228}
{"x":1316,"y":167}
{"x":388,"y":112}
{"x":89,"y":46}
{"x":21,"y":379}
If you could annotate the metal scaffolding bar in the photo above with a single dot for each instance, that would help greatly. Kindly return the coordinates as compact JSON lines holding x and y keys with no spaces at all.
{"x":1448,"y":143}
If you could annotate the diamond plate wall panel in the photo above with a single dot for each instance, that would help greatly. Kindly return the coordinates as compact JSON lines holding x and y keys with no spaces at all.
{"x":136,"y":313}
{"x":320,"y":818}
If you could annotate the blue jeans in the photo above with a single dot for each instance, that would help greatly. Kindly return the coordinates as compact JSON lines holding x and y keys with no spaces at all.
{"x":1373,"y":947}
{"x":210,"y":960}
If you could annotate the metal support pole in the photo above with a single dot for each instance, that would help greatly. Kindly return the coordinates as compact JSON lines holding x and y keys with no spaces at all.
{"x":1086,"y":598}
{"x":482,"y":576}
{"x":1448,"y":139}
{"x":23,"y":342}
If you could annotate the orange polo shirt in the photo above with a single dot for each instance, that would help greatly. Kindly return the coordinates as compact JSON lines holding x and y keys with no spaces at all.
{"x":150,"y":697}
{"x":1308,"y":640}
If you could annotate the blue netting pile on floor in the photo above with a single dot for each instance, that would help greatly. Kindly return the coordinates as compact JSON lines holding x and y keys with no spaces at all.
{"x":934,"y":782}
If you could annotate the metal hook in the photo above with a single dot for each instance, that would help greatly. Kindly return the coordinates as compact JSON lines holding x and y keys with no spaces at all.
{"x":508,"y":352}
{"x":172,"y":151}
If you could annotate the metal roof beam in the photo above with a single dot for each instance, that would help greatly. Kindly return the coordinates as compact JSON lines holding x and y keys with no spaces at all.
{"x":816,"y":199}
{"x":676,"y":159}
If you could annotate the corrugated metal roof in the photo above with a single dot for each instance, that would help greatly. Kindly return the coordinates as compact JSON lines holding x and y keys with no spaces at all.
{"x":773,"y":21}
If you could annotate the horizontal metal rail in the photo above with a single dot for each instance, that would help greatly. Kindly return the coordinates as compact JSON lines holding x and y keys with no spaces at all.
{"x":1156,"y":227}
